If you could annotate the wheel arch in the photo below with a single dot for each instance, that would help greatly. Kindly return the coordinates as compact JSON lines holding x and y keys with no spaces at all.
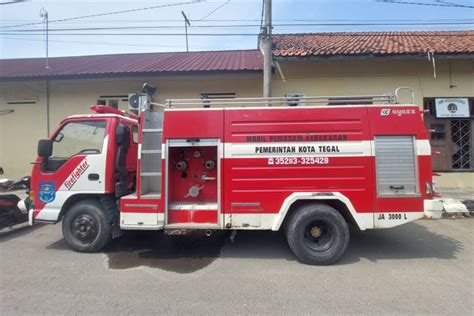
{"x":73,"y":199}
{"x":334,"y":199}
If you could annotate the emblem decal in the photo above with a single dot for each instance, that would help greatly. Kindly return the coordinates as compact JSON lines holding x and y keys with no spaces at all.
{"x":385,"y":112}
{"x":46,"y":193}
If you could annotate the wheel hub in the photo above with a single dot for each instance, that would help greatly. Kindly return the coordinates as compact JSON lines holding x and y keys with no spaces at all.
{"x":319,"y":235}
{"x":85,"y":228}
{"x":315,"y":231}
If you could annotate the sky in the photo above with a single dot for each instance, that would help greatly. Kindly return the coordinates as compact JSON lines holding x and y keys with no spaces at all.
{"x":239,"y":17}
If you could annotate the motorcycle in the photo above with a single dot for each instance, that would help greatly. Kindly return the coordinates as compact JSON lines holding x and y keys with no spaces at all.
{"x":14,"y":210}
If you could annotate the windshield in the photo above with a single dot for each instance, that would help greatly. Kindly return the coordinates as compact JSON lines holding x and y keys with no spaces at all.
{"x":84,"y":137}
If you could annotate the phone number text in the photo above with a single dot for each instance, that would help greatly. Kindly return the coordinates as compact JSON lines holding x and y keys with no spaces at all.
{"x":298,"y":161}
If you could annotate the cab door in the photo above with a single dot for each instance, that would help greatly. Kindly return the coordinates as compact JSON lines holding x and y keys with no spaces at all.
{"x":77,"y":164}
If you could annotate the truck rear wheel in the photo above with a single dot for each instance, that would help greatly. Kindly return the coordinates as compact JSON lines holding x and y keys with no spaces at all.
{"x":317,"y":234}
{"x":87,"y":226}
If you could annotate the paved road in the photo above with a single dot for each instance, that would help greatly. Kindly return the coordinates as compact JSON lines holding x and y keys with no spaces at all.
{"x":424,"y":267}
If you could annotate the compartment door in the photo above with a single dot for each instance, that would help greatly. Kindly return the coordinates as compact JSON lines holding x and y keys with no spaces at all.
{"x":396,"y":167}
{"x":193,"y":177}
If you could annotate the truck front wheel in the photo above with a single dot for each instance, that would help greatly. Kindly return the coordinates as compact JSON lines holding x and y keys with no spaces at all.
{"x":87,"y":226}
{"x":317,"y":234}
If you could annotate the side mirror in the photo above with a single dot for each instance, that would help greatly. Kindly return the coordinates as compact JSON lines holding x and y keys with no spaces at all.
{"x":45,"y":148}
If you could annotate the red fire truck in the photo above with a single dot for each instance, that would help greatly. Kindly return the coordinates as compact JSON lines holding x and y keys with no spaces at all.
{"x":308,"y":166}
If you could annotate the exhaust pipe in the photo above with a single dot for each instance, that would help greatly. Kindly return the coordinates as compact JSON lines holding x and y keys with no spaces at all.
{"x":208,"y":233}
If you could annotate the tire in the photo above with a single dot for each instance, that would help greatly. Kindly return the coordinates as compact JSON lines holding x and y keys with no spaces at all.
{"x":87,"y":226}
{"x":317,"y":234}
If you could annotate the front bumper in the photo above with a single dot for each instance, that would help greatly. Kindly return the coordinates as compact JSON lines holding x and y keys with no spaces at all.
{"x":433,"y":208}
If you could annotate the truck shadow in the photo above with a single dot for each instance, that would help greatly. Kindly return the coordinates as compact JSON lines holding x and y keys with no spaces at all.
{"x":409,"y":241}
{"x":187,"y":254}
{"x":180,"y":254}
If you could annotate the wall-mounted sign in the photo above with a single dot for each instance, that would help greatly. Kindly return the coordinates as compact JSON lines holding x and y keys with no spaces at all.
{"x":452,"y":107}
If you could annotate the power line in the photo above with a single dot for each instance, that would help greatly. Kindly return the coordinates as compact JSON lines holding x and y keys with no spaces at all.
{"x":139,"y":34}
{"x":437,"y":4}
{"x":213,"y":11}
{"x":240,"y":26}
{"x":455,"y":4}
{"x":107,"y":13}
{"x":259,"y":20}
{"x":12,"y":2}
{"x":205,"y":34}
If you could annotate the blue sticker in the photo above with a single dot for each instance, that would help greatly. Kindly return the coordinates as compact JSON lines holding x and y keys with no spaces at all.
{"x":46,"y":193}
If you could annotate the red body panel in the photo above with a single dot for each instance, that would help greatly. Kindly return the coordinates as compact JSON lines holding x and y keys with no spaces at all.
{"x":311,"y":124}
{"x":192,"y":216}
{"x":402,"y":121}
{"x":252,"y":180}
{"x":193,"y":124}
{"x":249,"y":184}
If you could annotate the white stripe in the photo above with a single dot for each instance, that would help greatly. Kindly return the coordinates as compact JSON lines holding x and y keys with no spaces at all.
{"x":49,"y":213}
{"x":273,"y":221}
{"x":250,"y":221}
{"x":141,"y":220}
{"x":364,"y":148}
{"x":193,"y":206}
{"x":104,"y":115}
{"x":363,"y":220}
{"x":301,"y":149}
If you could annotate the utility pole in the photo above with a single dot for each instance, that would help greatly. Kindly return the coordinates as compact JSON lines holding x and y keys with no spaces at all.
{"x":266,"y":48}
{"x":44,"y":15}
{"x":186,"y":23}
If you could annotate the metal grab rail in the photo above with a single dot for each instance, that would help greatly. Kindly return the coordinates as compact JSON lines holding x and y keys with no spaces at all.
{"x":284,"y":101}
{"x":397,"y":94}
{"x":387,"y":98}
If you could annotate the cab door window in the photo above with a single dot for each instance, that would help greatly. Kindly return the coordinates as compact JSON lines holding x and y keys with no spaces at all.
{"x":82,"y":137}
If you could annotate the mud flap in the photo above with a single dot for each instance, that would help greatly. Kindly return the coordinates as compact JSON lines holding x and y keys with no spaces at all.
{"x":110,"y":205}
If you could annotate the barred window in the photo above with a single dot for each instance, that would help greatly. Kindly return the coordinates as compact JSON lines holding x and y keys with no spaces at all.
{"x":453,"y":138}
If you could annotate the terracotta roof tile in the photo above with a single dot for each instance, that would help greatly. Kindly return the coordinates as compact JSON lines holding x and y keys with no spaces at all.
{"x":182,"y":62}
{"x":373,"y":43}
